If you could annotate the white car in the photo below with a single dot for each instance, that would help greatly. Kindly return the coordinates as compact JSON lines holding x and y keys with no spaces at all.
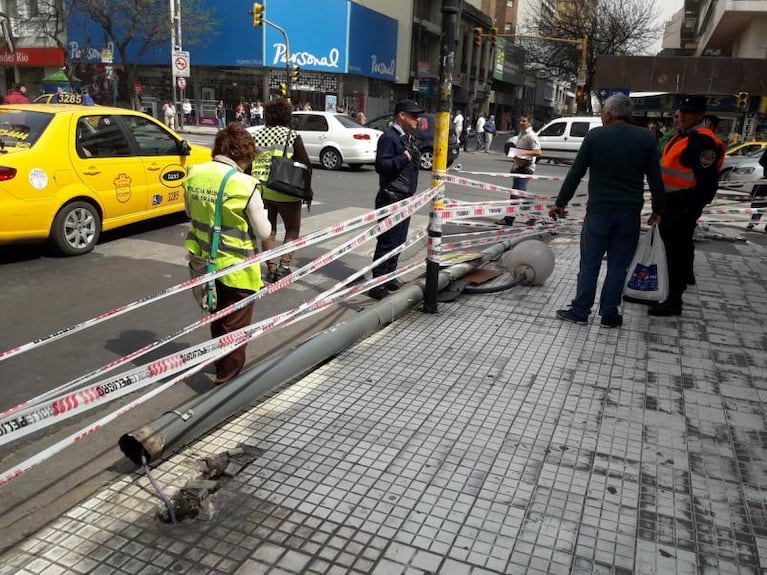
{"x":741,"y":172}
{"x":561,"y":139}
{"x":333,"y":139}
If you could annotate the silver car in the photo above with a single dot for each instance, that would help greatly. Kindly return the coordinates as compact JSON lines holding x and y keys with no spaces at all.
{"x":741,"y":172}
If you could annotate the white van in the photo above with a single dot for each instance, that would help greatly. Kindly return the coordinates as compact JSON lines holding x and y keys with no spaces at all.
{"x":561,"y":138}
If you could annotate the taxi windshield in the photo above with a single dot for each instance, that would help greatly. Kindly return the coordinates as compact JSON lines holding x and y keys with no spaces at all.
{"x":22,"y":128}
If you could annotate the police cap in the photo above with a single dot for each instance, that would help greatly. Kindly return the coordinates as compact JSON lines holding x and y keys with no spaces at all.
{"x":694,"y":103}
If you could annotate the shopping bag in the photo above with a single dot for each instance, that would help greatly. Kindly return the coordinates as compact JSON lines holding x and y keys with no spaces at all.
{"x":647,"y":277}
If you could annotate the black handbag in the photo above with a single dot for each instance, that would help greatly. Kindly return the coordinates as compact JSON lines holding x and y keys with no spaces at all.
{"x":289,"y":177}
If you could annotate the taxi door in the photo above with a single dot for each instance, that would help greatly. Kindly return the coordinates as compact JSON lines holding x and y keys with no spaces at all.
{"x":164,"y":166}
{"x":105,"y":162}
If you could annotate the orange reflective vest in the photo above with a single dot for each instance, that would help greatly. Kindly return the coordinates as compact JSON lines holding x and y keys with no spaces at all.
{"x":676,"y":176}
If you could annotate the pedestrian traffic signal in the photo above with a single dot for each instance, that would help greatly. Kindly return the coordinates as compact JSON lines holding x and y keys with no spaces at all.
{"x":494,"y":34}
{"x":742,"y":100}
{"x":294,"y":74}
{"x":477,"y":36}
{"x":284,"y":89}
{"x":258,"y":14}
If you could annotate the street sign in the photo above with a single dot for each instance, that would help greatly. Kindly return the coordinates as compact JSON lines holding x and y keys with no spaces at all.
{"x":180,"y":64}
{"x":181,"y":82}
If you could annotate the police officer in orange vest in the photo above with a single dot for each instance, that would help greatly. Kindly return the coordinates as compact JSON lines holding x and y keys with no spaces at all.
{"x":690,"y":169}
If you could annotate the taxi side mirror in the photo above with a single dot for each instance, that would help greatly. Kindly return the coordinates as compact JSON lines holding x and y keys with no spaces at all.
{"x":184,"y":148}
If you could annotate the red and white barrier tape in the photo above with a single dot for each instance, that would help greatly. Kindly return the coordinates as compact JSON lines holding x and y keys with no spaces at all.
{"x":24,"y":466}
{"x":735,"y":211}
{"x":508,"y":175}
{"x":32,"y":415}
{"x":304,"y":241}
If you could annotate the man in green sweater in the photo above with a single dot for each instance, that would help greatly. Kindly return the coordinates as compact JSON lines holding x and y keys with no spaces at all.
{"x":618,"y":156}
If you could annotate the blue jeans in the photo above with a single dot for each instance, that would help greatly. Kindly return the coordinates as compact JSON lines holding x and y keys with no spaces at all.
{"x":617,"y":233}
{"x":519,"y":184}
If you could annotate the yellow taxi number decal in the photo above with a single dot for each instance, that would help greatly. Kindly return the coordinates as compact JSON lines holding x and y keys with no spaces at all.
{"x":67,"y":98}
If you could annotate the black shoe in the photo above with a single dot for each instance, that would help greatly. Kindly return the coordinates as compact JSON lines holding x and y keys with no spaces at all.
{"x":271,"y":276}
{"x":393,"y":284}
{"x":569,"y":315}
{"x":612,"y":320}
{"x":378,"y":292}
{"x":506,"y":221}
{"x":664,"y":309}
{"x":282,"y":272}
{"x":750,"y":226}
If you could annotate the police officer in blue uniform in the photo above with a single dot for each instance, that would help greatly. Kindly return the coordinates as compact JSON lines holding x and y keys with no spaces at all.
{"x":397,"y":164}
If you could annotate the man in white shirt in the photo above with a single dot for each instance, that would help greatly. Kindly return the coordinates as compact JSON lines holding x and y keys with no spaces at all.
{"x":527,"y":150}
{"x":458,"y":125}
{"x":481,"y":132}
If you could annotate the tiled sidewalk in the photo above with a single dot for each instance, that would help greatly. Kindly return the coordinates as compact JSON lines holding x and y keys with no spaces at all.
{"x":489,"y":438}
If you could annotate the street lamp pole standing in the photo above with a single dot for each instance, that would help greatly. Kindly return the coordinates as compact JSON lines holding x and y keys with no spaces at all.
{"x":176,"y":43}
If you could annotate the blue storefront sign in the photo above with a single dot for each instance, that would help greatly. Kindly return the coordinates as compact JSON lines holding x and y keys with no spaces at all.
{"x":372,"y":54}
{"x":316,"y":30}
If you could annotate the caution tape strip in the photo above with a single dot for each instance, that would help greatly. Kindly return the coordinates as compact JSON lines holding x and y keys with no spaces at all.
{"x":735,"y":211}
{"x":19,"y":469}
{"x":304,"y":241}
{"x":34,"y":415}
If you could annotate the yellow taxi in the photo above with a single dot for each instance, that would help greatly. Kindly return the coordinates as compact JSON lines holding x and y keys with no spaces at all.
{"x":746,"y":148}
{"x":69,"y":172}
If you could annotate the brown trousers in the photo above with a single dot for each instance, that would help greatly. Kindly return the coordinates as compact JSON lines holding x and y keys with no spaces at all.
{"x":290,"y":212}
{"x":231,"y":364}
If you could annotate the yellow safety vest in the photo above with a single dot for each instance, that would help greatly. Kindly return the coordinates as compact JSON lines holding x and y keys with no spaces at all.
{"x":237,"y":240}
{"x":270,"y":141}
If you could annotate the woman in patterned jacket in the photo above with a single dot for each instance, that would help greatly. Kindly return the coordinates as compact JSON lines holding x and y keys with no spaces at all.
{"x":270,"y":140}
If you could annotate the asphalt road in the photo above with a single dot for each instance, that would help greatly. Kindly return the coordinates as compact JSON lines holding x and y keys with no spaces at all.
{"x":41,"y":294}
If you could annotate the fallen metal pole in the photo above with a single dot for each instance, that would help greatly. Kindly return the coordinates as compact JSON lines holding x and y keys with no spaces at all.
{"x":176,"y":428}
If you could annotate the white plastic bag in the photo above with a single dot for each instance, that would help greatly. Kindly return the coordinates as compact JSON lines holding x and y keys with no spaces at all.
{"x":647,"y":277}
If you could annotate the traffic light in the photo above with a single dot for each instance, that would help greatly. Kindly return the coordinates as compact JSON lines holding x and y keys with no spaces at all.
{"x":742,"y":100}
{"x":494,"y":34}
{"x":258,"y":14}
{"x":284,"y":89}
{"x":477,"y":36}
{"x":294,"y":74}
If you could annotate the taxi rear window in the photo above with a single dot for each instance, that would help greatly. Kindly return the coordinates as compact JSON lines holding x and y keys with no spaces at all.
{"x":22,"y":128}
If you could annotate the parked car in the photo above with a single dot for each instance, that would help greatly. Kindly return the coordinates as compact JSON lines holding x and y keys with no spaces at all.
{"x":424,"y":138}
{"x":561,"y":138}
{"x":332,"y":139}
{"x":741,"y":172}
{"x":68,"y":172}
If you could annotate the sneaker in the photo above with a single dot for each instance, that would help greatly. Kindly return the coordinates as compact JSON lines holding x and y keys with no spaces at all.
{"x":506,"y":221}
{"x":393,"y":284}
{"x":570,"y":315}
{"x":612,"y":320}
{"x":271,"y":276}
{"x":750,"y":226}
{"x":378,"y":292}
{"x":664,"y":309}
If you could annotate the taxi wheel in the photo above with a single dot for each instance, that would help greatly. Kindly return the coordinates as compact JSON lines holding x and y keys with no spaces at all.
{"x":76,"y":229}
{"x":330,"y":159}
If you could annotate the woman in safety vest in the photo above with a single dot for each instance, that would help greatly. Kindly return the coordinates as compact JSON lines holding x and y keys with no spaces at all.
{"x":242,"y":217}
{"x":271,"y":140}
